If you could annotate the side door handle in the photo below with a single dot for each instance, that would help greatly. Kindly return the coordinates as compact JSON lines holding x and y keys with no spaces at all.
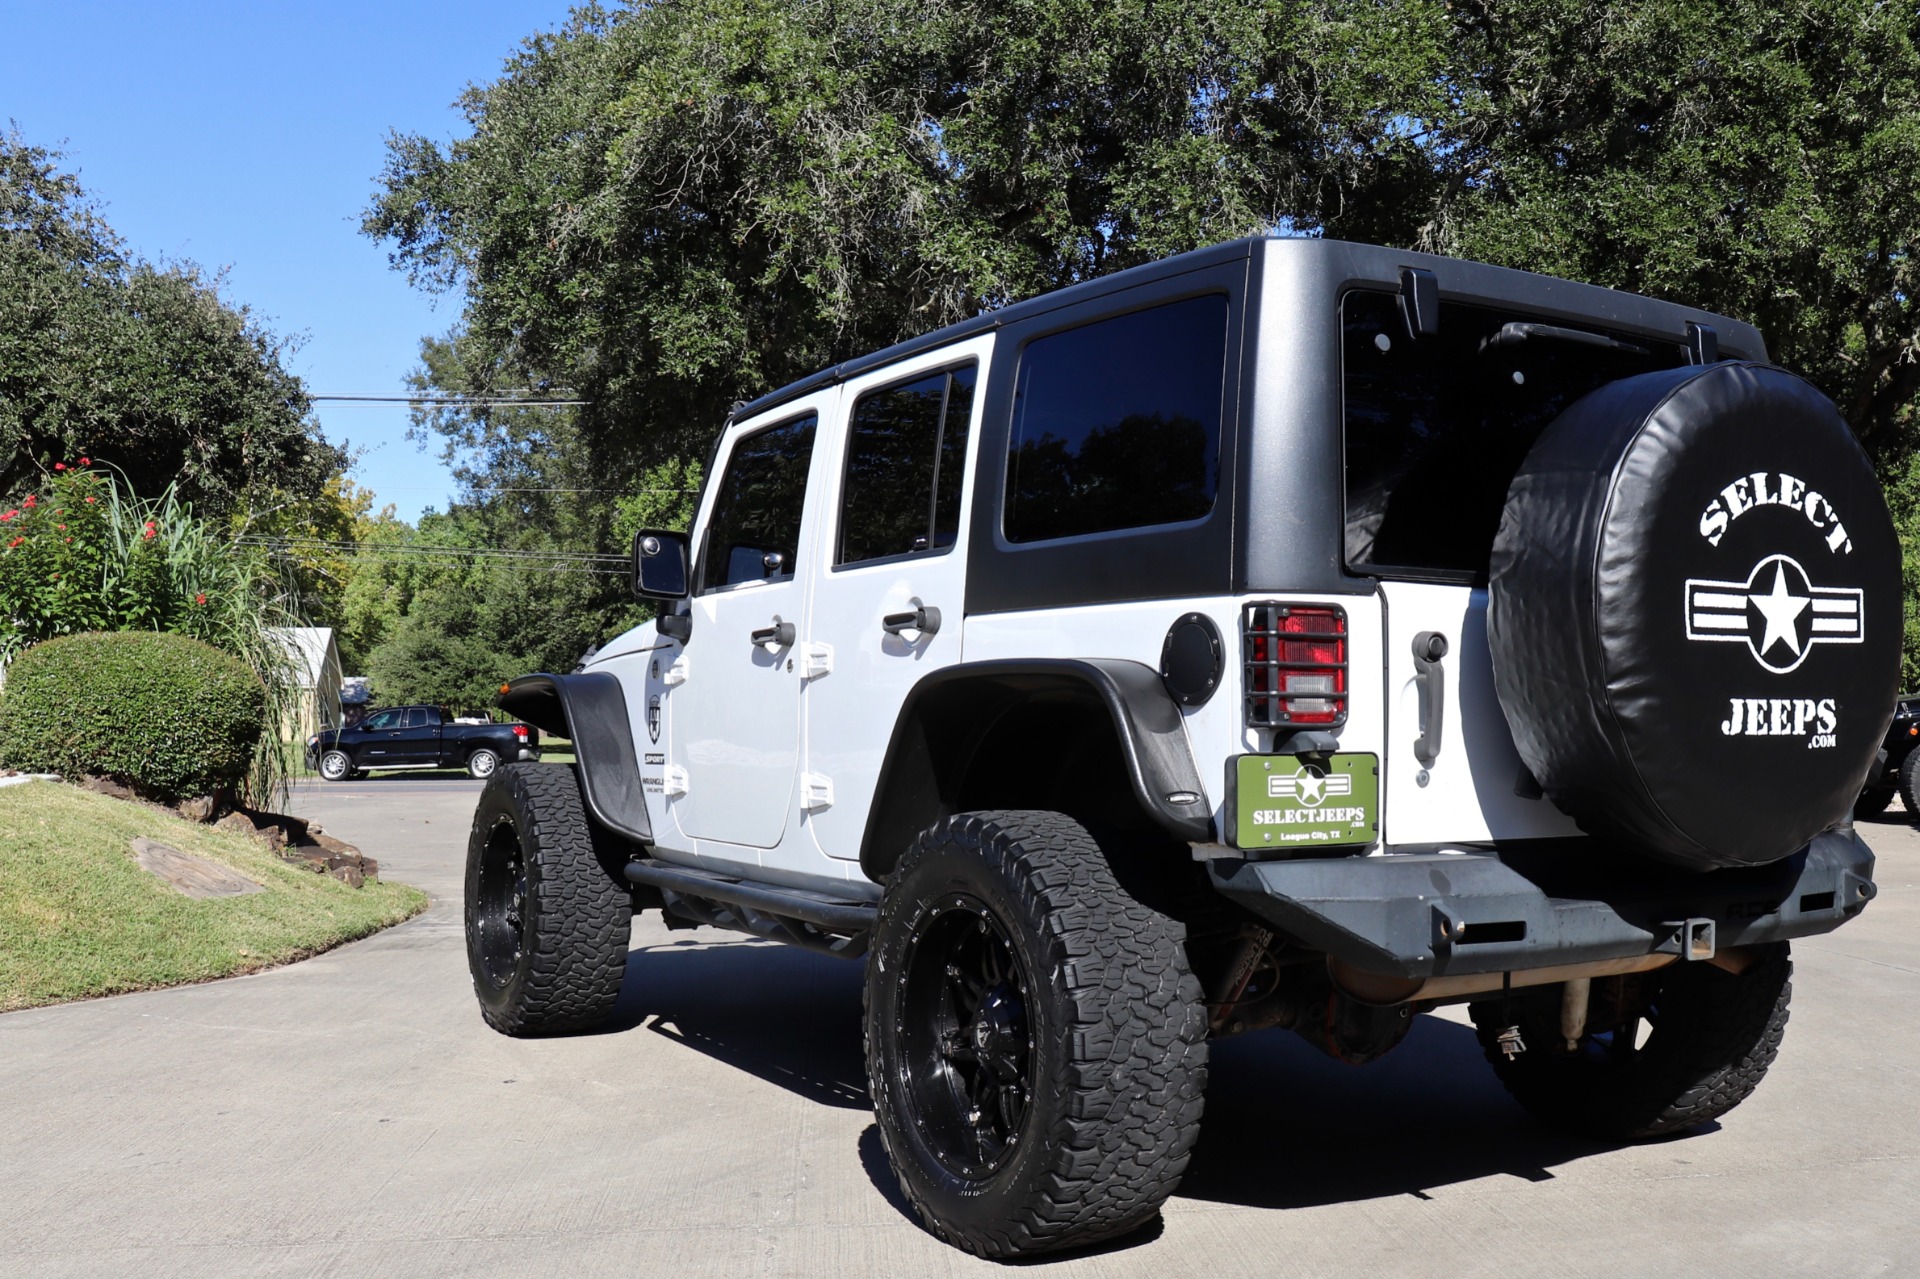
{"x":1431,"y":679}
{"x":779,"y":635}
{"x":925,"y":619}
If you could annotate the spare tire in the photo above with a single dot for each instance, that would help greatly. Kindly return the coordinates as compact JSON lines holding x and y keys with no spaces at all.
{"x":1694,"y":611}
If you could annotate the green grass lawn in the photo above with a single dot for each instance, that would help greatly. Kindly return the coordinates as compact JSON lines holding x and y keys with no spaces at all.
{"x":79,"y":917}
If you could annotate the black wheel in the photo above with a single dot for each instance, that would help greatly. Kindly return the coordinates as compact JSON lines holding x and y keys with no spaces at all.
{"x":336,"y":766}
{"x":1910,"y":784}
{"x":1873,"y":801}
{"x":547,"y":914}
{"x":1036,"y":1043}
{"x":482,"y":763}
{"x":1708,"y":1039}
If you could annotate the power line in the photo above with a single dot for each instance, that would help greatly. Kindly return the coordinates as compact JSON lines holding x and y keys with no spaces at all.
{"x":623,"y":492}
{"x":454,"y":401}
{"x":342,"y":547}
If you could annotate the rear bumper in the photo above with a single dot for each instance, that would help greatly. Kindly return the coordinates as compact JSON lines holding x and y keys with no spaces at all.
{"x":1431,"y":914}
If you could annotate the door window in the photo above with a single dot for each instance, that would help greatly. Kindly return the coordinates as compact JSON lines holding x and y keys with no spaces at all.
{"x":384,"y":720}
{"x":417,"y":718}
{"x":906,"y":457}
{"x":754,"y":533}
{"x":1116,"y":424}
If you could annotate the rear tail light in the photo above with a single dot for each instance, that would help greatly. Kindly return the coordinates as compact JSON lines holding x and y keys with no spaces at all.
{"x":520,"y":731}
{"x":1296,"y":658}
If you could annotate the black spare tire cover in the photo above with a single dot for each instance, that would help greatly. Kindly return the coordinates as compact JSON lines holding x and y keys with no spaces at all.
{"x":1695,"y":613}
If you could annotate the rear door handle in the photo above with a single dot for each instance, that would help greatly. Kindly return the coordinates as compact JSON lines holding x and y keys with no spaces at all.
{"x":779,"y":635}
{"x":1431,"y":679}
{"x":925,"y":619}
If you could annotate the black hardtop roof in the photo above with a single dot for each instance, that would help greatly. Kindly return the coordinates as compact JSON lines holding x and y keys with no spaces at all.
{"x":1570,"y":298}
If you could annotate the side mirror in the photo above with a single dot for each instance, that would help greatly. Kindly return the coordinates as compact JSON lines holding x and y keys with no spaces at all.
{"x":660,"y":565}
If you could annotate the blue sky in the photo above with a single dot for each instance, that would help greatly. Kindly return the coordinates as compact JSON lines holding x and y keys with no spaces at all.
{"x":248,"y":136}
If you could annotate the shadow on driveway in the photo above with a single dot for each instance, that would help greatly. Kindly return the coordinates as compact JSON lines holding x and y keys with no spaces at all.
{"x":1285,"y":1126}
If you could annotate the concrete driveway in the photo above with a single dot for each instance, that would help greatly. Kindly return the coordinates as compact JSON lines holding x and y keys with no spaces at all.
{"x":352,"y":1115}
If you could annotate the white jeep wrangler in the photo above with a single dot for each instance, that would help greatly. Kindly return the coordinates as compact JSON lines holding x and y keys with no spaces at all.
{"x":1291,"y":633}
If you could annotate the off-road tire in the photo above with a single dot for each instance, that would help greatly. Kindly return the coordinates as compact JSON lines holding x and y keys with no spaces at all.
{"x":483,"y":763}
{"x":1910,"y":784}
{"x":553,"y":964}
{"x":1873,"y":801}
{"x":1714,"y":1036}
{"x":336,"y":766}
{"x":1116,"y":1064}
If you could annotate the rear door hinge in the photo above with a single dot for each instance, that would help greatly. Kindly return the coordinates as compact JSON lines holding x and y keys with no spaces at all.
{"x":816,"y":791}
{"x":815,"y":660}
{"x":673,"y":781}
{"x":676,"y":673}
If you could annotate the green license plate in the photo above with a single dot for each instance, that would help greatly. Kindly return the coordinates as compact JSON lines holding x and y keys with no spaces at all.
{"x":1281,"y":801}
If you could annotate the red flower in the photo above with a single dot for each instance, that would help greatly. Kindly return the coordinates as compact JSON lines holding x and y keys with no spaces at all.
{"x":9,"y":515}
{"x":86,"y":461}
{"x":65,"y":539}
{"x":149,"y":533}
{"x":32,"y":500}
{"x":201,"y":598}
{"x":62,"y":528}
{"x":59,"y":466}
{"x":90,"y":501}
{"x":15,"y":542}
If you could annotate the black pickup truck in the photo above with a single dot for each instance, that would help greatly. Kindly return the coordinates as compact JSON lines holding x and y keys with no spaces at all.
{"x":418,"y":737}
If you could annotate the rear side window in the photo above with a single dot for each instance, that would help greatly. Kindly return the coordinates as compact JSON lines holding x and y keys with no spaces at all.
{"x":1437,"y":427}
{"x":906,"y":458}
{"x":1117,"y":424}
{"x":754,"y":534}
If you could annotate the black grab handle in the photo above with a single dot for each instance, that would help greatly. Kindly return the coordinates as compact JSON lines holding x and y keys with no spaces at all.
{"x":925,"y":619}
{"x":779,"y":635}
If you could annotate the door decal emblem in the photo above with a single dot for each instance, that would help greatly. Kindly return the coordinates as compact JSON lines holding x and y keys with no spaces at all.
{"x":653,"y":718}
{"x":1310,"y":786}
{"x":1777,"y":613}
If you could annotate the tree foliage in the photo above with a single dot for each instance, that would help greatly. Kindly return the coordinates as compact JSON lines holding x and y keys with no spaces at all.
{"x":1759,"y":159}
{"x":672,"y":206}
{"x":667,"y":207}
{"x":141,"y":366}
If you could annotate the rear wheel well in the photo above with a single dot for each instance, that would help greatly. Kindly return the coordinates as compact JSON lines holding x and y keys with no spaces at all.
{"x":1036,"y":742}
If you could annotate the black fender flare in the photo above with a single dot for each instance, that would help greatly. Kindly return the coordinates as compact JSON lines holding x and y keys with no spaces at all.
{"x":946,"y":713}
{"x":590,"y":710}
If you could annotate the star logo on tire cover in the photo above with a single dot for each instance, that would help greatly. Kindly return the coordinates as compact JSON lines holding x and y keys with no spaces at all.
{"x":1777,"y":613}
{"x":1310,"y":787}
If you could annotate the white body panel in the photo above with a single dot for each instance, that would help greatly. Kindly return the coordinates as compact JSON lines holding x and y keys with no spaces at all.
{"x":1217,"y":731}
{"x":848,"y":712}
{"x":1470,"y":793}
{"x":736,"y":727}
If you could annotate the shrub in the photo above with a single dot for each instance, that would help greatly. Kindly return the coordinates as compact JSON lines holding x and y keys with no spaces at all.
{"x":83,"y":553}
{"x":168,"y":715}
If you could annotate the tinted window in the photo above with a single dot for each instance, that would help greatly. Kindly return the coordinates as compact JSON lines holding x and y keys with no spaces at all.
{"x":1117,"y":424}
{"x":1437,"y":427}
{"x":906,"y":457}
{"x":385,"y":719}
{"x":756,"y":513}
